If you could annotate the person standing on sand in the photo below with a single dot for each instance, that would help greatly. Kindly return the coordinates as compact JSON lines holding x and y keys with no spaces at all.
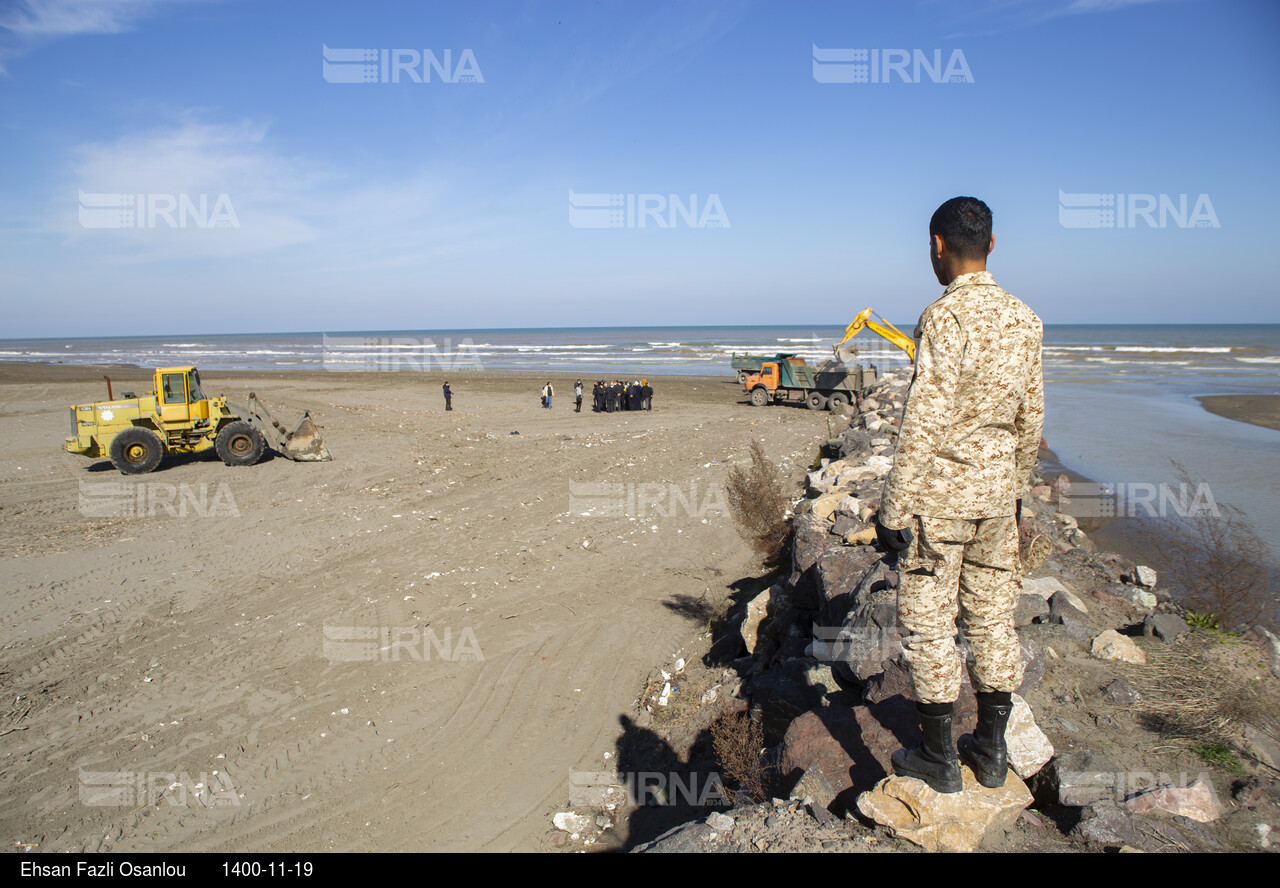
{"x":547,"y":392}
{"x":970,"y":430}
{"x":448,"y":396}
{"x":577,"y":396}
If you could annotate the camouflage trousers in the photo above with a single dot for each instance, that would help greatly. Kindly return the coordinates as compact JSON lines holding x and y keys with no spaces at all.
{"x":973,"y":564}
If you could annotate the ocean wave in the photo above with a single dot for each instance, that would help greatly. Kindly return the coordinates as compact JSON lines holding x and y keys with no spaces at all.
{"x":1273,"y":359}
{"x":1139,"y":362}
{"x":1204,"y":349}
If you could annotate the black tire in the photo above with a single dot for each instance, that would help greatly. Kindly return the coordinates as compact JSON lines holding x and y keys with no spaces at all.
{"x":815,"y":401}
{"x":838,"y":401}
{"x":136,"y":451}
{"x":759,"y":396}
{"x":240,"y":444}
{"x":742,"y":376}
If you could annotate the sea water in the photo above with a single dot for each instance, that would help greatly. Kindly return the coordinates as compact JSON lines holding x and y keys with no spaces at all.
{"x":1121,"y":402}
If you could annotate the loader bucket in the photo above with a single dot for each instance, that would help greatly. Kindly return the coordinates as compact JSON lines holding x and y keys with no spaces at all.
{"x":304,"y":443}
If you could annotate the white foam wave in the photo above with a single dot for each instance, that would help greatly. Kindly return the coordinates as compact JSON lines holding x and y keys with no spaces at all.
{"x":1169,"y":348}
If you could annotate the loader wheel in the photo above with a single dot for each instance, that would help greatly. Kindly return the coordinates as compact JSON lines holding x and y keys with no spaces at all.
{"x":136,"y":451}
{"x":815,"y":401}
{"x":838,"y":402}
{"x":759,"y":396}
{"x":240,"y":444}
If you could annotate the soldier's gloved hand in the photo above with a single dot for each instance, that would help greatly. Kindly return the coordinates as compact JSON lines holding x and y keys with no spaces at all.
{"x":893,"y":540}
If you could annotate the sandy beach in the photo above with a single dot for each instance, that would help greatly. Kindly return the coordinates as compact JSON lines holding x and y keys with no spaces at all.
{"x":1262,"y":410}
{"x":144,"y":653}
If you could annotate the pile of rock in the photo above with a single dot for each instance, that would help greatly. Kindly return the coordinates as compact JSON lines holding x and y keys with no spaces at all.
{"x":821,"y":662}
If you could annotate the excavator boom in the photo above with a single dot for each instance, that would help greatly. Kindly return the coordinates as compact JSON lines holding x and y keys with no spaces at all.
{"x":884,"y":328}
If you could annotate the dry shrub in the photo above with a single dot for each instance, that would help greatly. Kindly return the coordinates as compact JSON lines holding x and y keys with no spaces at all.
{"x":1187,"y":696}
{"x":738,"y":741}
{"x":759,"y":506}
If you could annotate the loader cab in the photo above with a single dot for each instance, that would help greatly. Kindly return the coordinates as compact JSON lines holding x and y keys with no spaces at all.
{"x":179,"y":398}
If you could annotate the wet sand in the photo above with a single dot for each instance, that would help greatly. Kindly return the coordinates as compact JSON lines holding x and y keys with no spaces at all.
{"x":1262,"y":410}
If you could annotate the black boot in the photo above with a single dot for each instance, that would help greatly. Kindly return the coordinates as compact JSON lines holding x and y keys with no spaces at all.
{"x":984,"y":750}
{"x":933,"y":761}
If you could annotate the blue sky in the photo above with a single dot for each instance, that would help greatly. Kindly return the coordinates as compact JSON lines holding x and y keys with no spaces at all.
{"x":437,"y":205}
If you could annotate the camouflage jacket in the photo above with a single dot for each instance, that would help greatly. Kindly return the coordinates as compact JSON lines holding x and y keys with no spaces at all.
{"x":974,"y":413}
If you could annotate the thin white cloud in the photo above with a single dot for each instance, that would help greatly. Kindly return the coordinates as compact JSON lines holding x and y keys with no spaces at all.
{"x":29,"y":23}
{"x":229,"y":165}
{"x":1079,"y":6}
{"x":59,"y":18}
{"x":997,"y":16}
{"x":282,"y":203}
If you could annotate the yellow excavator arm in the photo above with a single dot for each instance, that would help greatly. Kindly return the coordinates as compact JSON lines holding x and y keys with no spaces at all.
{"x":884,"y":328}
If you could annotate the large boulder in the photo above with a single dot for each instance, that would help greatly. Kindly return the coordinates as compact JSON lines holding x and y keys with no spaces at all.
{"x":949,"y":822}
{"x":767,"y":604}
{"x":894,"y":680}
{"x":1030,"y":608}
{"x":1029,"y":748}
{"x":1111,"y":645}
{"x":1106,"y":824}
{"x":823,"y":752}
{"x":1046,"y":587}
{"x":1166,"y":627}
{"x":1078,"y":778}
{"x":868,"y":635}
{"x":826,"y":505}
{"x":1196,"y":801}
{"x":839,"y":572}
{"x":789,"y":689}
{"x":1034,"y":663}
{"x":853,"y":746}
{"x":1072,"y":619}
{"x":810,"y":540}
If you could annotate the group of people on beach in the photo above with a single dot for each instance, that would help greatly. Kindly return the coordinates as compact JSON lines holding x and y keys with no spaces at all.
{"x":610,"y":397}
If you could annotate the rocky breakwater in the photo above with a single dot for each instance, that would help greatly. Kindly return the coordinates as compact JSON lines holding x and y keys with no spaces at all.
{"x":820,"y":664}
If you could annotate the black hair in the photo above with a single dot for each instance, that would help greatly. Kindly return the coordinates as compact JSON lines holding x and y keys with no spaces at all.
{"x":964,"y":223}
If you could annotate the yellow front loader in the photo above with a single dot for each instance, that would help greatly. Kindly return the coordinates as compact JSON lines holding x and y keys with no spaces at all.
{"x":177,"y":417}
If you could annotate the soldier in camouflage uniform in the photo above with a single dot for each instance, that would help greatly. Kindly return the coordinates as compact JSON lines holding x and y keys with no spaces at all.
{"x":970,"y":430}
